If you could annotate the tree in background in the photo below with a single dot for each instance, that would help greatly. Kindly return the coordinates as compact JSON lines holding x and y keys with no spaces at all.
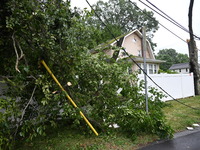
{"x":171,"y":57}
{"x":121,"y":17}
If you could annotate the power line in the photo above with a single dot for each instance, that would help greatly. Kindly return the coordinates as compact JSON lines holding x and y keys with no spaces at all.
{"x":158,"y":21}
{"x":164,"y":16}
{"x":171,"y":19}
{"x":167,"y":17}
{"x":137,"y":63}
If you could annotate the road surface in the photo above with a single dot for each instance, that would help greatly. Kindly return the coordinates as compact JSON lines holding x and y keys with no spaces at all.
{"x":187,"y":140}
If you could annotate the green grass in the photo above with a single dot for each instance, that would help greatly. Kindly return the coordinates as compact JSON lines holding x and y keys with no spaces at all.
{"x":68,"y":139}
{"x":180,"y":116}
{"x":177,"y":115}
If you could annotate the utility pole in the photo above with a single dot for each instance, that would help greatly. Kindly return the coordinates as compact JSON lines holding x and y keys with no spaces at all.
{"x":193,"y":52}
{"x":144,"y":47}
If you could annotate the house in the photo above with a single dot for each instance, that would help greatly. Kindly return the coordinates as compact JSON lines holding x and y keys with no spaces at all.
{"x":181,"y":68}
{"x":132,"y":42}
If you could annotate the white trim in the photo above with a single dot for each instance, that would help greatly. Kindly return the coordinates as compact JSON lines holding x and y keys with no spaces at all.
{"x":151,"y":51}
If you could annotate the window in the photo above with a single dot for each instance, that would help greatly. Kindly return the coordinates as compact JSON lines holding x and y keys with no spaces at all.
{"x":150,"y":69}
{"x":133,"y":40}
{"x":155,"y":69}
{"x":179,"y":70}
{"x":186,"y":69}
{"x":139,"y":53}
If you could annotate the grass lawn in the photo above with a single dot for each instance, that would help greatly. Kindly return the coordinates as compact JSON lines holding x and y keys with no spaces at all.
{"x":178,"y":116}
{"x":72,"y":140}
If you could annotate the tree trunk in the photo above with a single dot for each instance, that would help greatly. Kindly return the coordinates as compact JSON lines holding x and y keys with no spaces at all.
{"x":193,"y":52}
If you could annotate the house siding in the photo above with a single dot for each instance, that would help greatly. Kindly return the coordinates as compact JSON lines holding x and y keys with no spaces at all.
{"x":133,"y":44}
{"x":181,"y":68}
{"x":182,"y":71}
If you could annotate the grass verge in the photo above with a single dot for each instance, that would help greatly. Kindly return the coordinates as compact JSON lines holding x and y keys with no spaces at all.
{"x":73,"y":140}
{"x":180,"y":116}
{"x":177,"y":115}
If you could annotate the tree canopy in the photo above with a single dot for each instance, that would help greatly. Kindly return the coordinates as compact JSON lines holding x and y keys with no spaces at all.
{"x":171,"y":57}
{"x":121,"y":17}
{"x":51,"y":30}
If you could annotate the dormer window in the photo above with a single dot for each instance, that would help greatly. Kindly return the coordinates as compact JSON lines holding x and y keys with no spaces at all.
{"x":133,"y":40}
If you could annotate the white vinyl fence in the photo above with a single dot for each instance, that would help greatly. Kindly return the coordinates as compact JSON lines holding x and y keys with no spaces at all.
{"x":177,"y":85}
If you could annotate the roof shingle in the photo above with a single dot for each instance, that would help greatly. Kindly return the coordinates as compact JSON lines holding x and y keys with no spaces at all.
{"x":179,"y":66}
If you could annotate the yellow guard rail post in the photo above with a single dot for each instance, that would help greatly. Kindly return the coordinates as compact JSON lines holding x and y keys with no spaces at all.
{"x":67,"y":95}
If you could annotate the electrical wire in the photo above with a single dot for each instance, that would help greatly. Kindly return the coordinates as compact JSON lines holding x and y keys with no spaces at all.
{"x":137,"y":63}
{"x":158,"y":22}
{"x":168,"y":18}
{"x":198,"y":38}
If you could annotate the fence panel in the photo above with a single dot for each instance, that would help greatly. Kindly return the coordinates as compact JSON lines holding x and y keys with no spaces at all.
{"x":177,"y":85}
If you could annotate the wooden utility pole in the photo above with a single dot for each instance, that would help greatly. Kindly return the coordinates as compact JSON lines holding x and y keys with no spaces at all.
{"x":144,"y":47}
{"x":193,"y":52}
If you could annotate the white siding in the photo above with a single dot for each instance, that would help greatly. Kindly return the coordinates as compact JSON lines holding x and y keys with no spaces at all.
{"x":182,"y":71}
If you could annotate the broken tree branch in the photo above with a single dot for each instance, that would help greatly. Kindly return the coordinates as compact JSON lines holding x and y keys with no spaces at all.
{"x":24,"y":110}
{"x":17,"y":55}
{"x":21,"y":51}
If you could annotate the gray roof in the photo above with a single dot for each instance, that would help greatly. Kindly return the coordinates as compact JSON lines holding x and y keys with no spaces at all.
{"x":179,"y":66}
{"x":148,"y":60}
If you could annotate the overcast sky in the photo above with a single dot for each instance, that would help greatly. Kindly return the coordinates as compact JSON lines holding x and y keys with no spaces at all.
{"x":178,"y":10}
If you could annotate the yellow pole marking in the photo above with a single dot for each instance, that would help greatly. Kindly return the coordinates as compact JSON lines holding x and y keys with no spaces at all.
{"x":67,"y":95}
{"x":86,"y":120}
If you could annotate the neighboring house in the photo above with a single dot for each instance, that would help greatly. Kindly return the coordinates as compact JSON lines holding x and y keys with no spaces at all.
{"x":132,"y":42}
{"x":181,"y":68}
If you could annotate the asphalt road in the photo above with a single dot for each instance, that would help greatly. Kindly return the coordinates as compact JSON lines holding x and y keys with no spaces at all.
{"x":187,"y":140}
